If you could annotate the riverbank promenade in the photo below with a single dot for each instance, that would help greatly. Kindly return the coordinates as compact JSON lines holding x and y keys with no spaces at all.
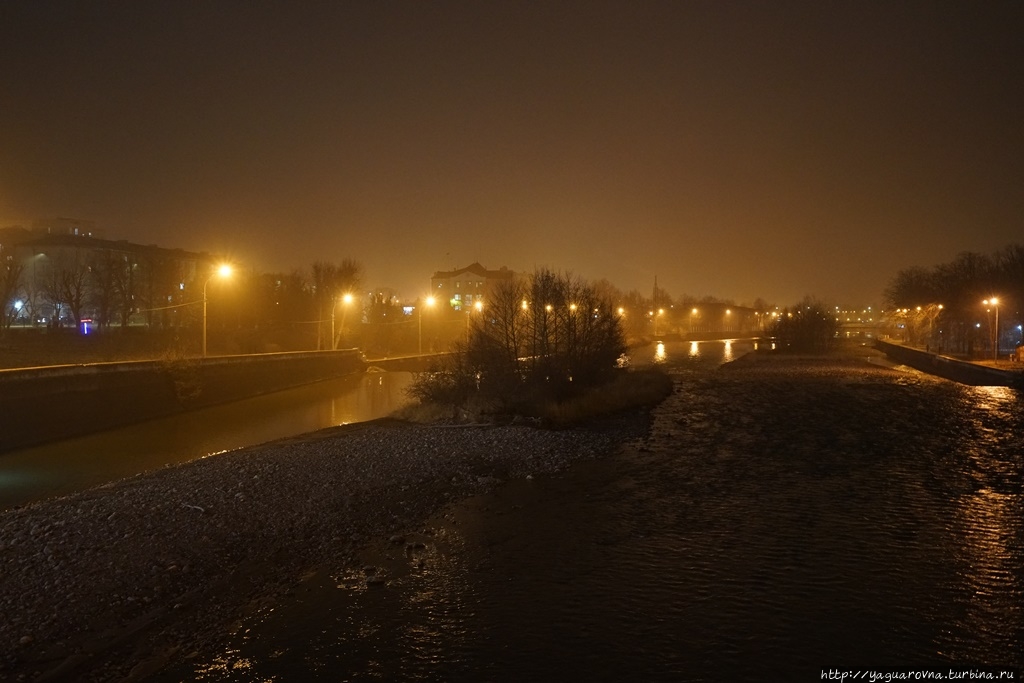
{"x":973,"y":372}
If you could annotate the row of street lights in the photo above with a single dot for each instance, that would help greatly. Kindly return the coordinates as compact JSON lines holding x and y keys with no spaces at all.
{"x":225,"y":271}
{"x":992,"y":304}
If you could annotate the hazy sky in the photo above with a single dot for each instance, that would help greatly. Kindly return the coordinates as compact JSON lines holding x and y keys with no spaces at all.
{"x":738,"y":149}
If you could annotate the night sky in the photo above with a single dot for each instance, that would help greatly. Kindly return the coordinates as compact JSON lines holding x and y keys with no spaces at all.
{"x":735,"y":149}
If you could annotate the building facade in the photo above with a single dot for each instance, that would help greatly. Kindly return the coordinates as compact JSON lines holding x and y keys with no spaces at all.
{"x":463,"y":288}
{"x":59,"y":273}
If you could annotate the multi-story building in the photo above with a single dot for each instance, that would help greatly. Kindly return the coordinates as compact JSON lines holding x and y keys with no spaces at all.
{"x":59,"y":272}
{"x":462,"y":288}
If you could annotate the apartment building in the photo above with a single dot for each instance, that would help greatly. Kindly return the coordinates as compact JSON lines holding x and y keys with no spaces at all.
{"x":59,"y":272}
{"x":462,"y":288}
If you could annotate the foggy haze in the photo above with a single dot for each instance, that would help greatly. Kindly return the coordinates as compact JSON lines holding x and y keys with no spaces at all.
{"x":737,"y":149}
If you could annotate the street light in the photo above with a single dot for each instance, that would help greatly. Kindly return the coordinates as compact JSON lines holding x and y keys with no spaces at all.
{"x":429,"y":301}
{"x":479,"y":306}
{"x":346,"y":299}
{"x":994,"y":303}
{"x":224,"y":270}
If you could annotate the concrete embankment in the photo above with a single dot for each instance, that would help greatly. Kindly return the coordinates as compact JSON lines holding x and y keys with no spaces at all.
{"x":48,"y":403}
{"x":964,"y":372}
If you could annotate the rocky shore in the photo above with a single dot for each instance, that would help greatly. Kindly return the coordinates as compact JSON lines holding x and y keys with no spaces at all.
{"x":112,"y":583}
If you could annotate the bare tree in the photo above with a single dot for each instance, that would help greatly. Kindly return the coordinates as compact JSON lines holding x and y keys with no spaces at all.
{"x":331,"y":282}
{"x":125,"y":281}
{"x":10,"y":289}
{"x":66,"y":285}
{"x":546,"y":339}
{"x":158,"y":288}
{"x":103,"y":295}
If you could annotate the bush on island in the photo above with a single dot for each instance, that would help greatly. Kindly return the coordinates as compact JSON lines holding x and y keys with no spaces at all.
{"x":542,"y":342}
{"x":807,"y":327}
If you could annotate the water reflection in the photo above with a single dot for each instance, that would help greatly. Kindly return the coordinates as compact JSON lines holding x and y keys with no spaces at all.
{"x":988,"y":528}
{"x":688,"y":355}
{"x":989,"y":525}
{"x":998,"y":399}
{"x":71,"y":465}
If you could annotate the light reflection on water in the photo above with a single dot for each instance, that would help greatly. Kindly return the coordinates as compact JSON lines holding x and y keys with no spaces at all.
{"x":691,"y":355}
{"x":71,"y":465}
{"x":989,"y":521}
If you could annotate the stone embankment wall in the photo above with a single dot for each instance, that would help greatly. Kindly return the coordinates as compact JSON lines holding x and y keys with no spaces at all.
{"x":951,"y":368}
{"x":57,"y":402}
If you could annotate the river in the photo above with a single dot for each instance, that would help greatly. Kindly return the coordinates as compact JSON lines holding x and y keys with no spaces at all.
{"x":771,"y":527}
{"x":62,"y":467}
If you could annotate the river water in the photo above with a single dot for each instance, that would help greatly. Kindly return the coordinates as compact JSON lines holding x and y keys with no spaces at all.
{"x":773,"y":526}
{"x":59,"y":468}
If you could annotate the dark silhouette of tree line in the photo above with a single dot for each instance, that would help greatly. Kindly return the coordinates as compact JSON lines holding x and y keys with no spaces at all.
{"x":944,"y":307}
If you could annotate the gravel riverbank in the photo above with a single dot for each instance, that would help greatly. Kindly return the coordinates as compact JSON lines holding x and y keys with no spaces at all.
{"x":112,"y":583}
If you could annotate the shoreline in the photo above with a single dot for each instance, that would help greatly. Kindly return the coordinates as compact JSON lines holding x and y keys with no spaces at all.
{"x":124,"y":577}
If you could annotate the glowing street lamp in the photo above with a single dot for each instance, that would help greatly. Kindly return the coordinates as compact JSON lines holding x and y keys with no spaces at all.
{"x":994,"y":303}
{"x":346,"y":299}
{"x":429,"y":301}
{"x":661,"y":312}
{"x":478,"y":306}
{"x":223,"y":271}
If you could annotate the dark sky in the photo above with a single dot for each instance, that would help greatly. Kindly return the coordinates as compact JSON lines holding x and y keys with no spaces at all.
{"x":738,"y":149}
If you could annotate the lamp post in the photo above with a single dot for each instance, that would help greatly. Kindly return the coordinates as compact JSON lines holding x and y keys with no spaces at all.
{"x":479,"y":306}
{"x":429,"y":301}
{"x":346,"y":299}
{"x":994,"y":303}
{"x":223,"y":271}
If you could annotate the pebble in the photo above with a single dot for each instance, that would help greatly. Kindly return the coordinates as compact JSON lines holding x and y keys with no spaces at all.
{"x":378,"y":481}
